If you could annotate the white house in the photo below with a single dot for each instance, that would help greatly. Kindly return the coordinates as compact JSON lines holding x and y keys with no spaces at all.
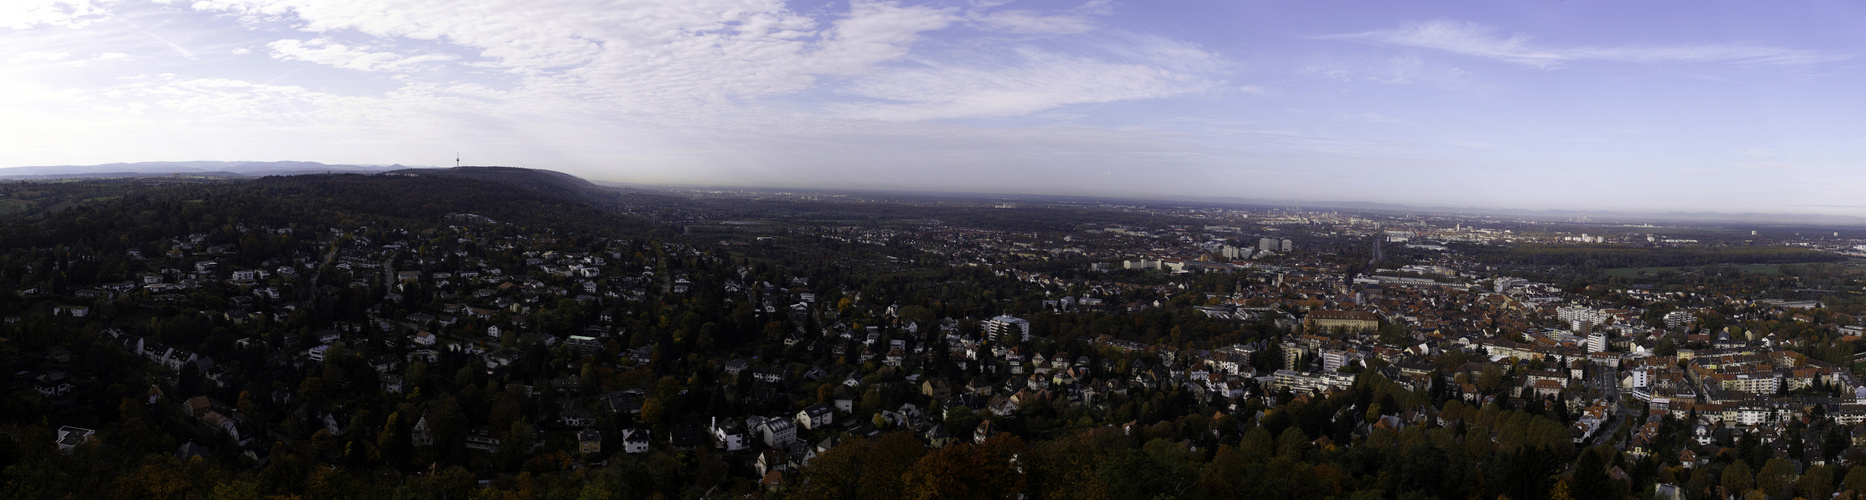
{"x":729,"y":437}
{"x":777,"y":431}
{"x":635,"y":440}
{"x":816,"y":416}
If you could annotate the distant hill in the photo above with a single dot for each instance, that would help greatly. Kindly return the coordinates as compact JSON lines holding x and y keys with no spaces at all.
{"x":89,"y":212}
{"x":189,"y":168}
{"x":540,"y":197}
{"x":541,"y":180}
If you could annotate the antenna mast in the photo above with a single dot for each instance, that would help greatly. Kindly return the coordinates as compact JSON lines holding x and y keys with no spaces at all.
{"x":456,"y":159}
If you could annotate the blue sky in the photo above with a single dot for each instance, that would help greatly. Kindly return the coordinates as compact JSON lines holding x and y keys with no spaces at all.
{"x":1652,"y":105}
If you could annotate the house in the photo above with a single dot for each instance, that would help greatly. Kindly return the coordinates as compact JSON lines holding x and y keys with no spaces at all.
{"x":634,"y":441}
{"x":622,"y":402}
{"x":70,"y":437}
{"x":216,"y":420}
{"x":424,"y":338}
{"x":938,"y":437}
{"x":770,"y":462}
{"x":577,"y":417}
{"x":816,"y":416}
{"x":584,"y":346}
{"x":729,"y":436}
{"x":423,"y":435}
{"x":481,"y":439}
{"x":391,"y":384}
{"x":385,"y":363}
{"x":73,"y":311}
{"x":777,"y":431}
{"x":980,"y":385}
{"x":936,"y":388}
{"x":58,"y":353}
{"x":196,"y":407}
{"x":589,"y":442}
{"x":642,"y":355}
{"x":687,"y":438}
{"x":770,"y":375}
{"x":501,"y":358}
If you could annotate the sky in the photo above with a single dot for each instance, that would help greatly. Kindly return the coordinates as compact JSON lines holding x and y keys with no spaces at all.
{"x":1537,"y":104}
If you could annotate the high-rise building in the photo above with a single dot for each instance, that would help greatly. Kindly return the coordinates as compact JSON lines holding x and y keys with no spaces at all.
{"x":1001,"y":326}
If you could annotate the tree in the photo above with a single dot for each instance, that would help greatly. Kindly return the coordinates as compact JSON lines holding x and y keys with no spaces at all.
{"x":393,"y":442}
{"x":1258,"y":445}
{"x":1590,"y":476}
{"x":248,"y":406}
{"x":1816,"y":482}
{"x":989,"y":470}
{"x":1700,"y":482}
{"x":1560,"y":491}
{"x":1856,"y":479}
{"x":1490,"y":379}
{"x":860,"y":468}
{"x":1776,"y":477}
{"x":161,"y":479}
{"x":961,"y":421}
{"x":1736,"y":477}
{"x":1141,"y":475}
{"x":1292,"y":442}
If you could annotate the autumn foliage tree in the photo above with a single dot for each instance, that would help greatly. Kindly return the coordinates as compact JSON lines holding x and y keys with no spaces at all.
{"x":992,"y":470}
{"x":860,"y":468}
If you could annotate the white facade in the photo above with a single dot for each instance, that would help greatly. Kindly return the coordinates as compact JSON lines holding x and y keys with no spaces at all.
{"x":635,"y":440}
{"x":1000,"y":326}
{"x":778,"y":432}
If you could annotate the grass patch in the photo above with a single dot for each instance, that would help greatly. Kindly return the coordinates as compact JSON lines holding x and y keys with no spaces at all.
{"x":10,"y":206}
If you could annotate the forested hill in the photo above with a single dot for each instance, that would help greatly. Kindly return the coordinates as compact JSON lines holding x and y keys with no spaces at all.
{"x":532,"y":179}
{"x":135,"y":211}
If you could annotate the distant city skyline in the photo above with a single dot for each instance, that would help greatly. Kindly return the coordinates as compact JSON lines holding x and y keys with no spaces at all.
{"x":1654,"y":106}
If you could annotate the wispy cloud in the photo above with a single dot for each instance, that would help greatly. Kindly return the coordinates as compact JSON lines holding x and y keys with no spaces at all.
{"x":41,"y":56}
{"x":1081,"y":19}
{"x":1486,"y":42}
{"x":24,"y":14}
{"x":1025,"y":82}
{"x":1398,"y":69}
{"x":323,"y":51}
{"x":1375,"y":118}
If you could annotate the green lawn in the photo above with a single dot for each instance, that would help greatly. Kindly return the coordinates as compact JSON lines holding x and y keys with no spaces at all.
{"x":11,"y":206}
